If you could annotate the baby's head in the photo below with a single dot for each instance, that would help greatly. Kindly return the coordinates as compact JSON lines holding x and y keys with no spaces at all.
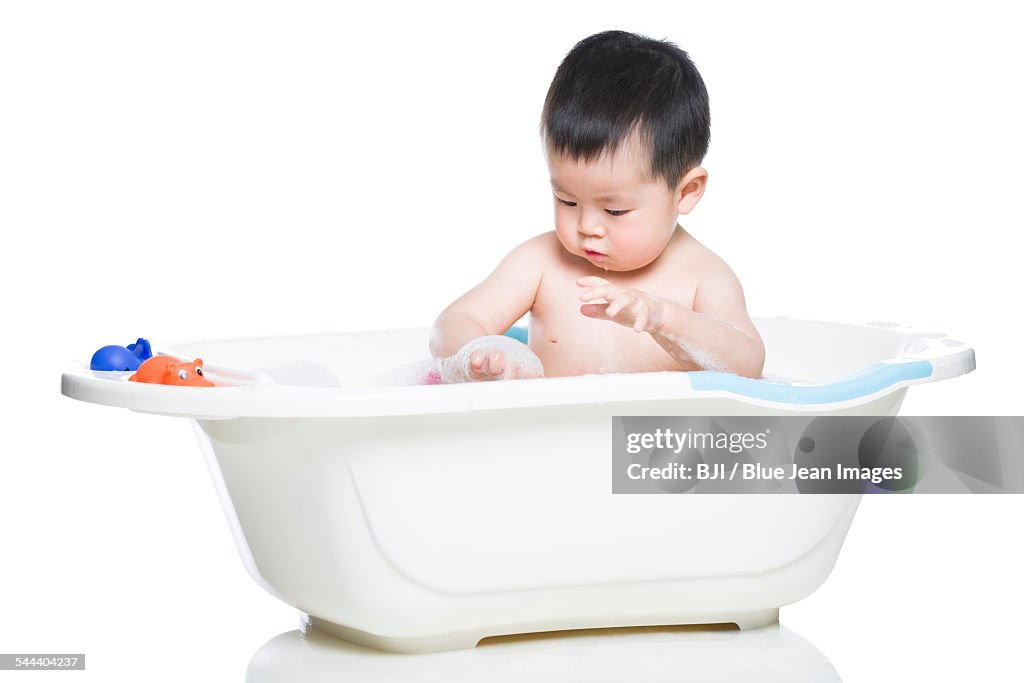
{"x":625,"y":126}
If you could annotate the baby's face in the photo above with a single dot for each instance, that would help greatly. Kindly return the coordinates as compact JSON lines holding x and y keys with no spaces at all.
{"x":609,"y":212}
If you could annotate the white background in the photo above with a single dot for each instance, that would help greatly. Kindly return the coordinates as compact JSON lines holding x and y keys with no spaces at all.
{"x":197,"y":170}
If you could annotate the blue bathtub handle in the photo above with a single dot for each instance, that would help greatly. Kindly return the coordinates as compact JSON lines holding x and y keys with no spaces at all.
{"x":927,"y":356}
{"x":870,"y":380}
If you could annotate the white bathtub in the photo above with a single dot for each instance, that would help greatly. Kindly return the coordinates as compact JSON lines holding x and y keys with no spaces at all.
{"x":422,"y":518}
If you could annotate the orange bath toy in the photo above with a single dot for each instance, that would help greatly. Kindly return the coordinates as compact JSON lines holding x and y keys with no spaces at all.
{"x":170,"y":370}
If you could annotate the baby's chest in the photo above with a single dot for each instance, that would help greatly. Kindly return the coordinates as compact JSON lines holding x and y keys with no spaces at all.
{"x":569,"y":343}
{"x":558,"y":297}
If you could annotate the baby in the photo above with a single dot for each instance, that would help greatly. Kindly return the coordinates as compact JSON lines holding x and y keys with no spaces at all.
{"x":619,"y":285}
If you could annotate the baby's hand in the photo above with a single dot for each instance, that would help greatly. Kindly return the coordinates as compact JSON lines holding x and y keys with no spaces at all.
{"x":490,"y":358}
{"x":630,"y":307}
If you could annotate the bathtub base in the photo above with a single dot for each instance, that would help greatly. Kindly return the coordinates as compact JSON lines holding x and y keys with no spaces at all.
{"x":470,"y":638}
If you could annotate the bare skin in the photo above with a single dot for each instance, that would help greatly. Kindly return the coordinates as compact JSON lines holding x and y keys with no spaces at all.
{"x":619,"y":286}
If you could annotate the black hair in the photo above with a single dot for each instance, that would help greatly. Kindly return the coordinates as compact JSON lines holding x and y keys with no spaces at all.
{"x":614,"y":84}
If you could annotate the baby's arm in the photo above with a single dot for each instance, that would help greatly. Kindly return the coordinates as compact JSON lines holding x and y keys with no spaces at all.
{"x":465,"y":338}
{"x":716,"y":334}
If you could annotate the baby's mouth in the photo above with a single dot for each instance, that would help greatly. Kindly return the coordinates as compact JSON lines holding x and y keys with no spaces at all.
{"x":596,"y":255}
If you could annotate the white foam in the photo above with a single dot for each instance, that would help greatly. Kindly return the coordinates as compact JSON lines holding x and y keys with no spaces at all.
{"x":702,"y":357}
{"x":455,"y":368}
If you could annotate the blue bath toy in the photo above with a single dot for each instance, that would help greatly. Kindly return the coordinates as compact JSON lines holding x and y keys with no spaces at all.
{"x":121,"y":357}
{"x":142,"y":349}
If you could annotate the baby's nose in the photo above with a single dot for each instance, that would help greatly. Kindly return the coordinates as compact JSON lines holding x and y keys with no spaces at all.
{"x":592,"y":226}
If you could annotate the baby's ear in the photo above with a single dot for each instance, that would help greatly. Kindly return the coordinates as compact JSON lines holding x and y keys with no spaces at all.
{"x":691,"y":189}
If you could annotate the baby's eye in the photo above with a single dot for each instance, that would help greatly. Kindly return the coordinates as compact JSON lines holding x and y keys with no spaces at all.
{"x":565,"y":202}
{"x":617,"y":212}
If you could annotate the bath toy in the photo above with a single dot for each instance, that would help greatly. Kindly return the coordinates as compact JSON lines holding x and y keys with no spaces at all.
{"x":141,"y":348}
{"x":123,"y":358}
{"x":171,"y":370}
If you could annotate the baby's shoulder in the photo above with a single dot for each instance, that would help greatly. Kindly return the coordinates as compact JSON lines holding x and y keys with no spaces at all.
{"x":694,"y":257}
{"x":718,"y":289}
{"x":527,"y":264}
{"x":537,"y":253}
{"x":546,"y":243}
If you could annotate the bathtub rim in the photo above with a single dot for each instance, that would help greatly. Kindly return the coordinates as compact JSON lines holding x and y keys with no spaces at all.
{"x":247,"y":393}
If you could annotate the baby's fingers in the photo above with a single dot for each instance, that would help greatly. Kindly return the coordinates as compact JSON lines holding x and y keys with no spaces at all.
{"x":476,"y":361}
{"x":486,"y":364}
{"x":594,"y":310}
{"x":620,"y":302}
{"x":606,"y":292}
{"x":642,"y":318}
{"x":495,"y":363}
